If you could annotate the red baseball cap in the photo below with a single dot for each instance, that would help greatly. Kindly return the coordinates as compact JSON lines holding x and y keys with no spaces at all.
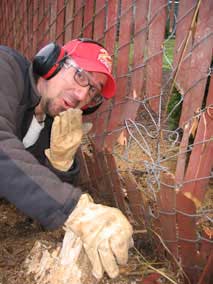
{"x":94,"y":58}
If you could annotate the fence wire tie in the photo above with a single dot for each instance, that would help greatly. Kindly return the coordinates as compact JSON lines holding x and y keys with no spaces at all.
{"x":191,"y":215}
{"x":189,"y":149}
{"x":199,"y":237}
{"x":172,"y":186}
{"x":206,"y":240}
{"x":172,"y":213}
{"x":171,"y":241}
{"x":197,"y":179}
{"x":189,"y":240}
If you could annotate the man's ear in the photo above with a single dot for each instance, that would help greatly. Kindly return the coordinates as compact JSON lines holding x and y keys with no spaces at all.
{"x":41,"y":85}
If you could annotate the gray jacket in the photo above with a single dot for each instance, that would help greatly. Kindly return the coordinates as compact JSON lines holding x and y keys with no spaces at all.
{"x":26,"y":178}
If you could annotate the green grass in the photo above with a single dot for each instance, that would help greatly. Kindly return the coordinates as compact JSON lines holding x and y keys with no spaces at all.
{"x":175,"y":108}
{"x":169,"y":51}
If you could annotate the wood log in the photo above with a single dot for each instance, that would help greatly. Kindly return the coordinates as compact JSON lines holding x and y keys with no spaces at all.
{"x":61,"y":263}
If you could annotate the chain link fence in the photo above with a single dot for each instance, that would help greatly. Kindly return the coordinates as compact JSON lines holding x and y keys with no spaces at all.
{"x":151,"y":147}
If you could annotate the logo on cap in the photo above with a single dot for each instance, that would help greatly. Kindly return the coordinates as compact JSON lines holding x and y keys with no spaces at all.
{"x":105,"y":59}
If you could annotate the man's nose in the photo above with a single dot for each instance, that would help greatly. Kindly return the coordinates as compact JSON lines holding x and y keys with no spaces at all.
{"x":82,"y":93}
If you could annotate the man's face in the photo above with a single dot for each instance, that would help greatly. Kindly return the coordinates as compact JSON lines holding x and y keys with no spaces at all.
{"x":63,"y":91}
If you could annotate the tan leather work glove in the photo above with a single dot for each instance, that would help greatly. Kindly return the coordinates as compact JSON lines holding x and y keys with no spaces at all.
{"x":105,"y":232}
{"x":66,"y":135}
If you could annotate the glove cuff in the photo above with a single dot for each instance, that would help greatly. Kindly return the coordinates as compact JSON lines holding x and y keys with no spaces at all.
{"x":83,"y":202}
{"x":63,"y":166}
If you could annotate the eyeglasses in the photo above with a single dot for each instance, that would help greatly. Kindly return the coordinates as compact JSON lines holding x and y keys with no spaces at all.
{"x":82,"y":78}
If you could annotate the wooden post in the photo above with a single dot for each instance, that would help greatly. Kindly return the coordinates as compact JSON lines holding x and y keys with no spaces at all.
{"x":66,"y":262}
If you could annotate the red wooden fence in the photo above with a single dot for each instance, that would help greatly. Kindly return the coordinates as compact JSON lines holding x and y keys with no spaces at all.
{"x":134,"y":33}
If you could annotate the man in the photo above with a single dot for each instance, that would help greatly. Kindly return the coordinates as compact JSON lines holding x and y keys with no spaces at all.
{"x":40,"y":131}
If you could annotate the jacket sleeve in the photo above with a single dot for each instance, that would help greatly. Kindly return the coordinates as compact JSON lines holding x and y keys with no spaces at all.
{"x":33,"y":188}
{"x":70,"y":176}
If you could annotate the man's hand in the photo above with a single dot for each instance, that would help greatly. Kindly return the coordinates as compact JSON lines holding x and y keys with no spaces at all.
{"x":66,"y":135}
{"x":105,"y":232}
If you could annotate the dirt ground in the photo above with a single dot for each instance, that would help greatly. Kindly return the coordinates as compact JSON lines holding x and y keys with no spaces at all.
{"x":19,"y":233}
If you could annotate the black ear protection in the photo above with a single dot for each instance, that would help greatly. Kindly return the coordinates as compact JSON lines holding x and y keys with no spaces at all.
{"x":49,"y":61}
